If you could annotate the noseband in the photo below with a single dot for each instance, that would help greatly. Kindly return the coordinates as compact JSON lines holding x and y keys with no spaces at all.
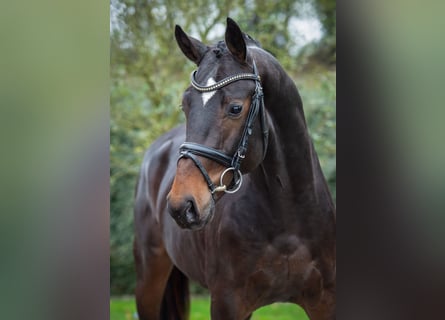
{"x":191,"y":150}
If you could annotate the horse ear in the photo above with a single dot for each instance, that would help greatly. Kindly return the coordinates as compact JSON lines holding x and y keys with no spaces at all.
{"x":191,"y":47}
{"x":235,"y":41}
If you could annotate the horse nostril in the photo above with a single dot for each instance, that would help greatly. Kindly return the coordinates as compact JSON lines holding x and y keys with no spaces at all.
{"x":183,"y":212}
{"x":189,"y":211}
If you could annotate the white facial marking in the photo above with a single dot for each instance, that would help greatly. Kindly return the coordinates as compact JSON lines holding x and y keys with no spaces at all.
{"x":207,"y":95}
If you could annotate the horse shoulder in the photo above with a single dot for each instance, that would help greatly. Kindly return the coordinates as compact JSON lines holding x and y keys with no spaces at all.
{"x":157,"y":172}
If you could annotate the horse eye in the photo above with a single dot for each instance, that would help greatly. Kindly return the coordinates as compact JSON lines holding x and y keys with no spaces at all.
{"x":235,"y":109}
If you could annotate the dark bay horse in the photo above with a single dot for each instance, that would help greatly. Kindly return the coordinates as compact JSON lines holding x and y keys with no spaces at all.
{"x":235,"y":199}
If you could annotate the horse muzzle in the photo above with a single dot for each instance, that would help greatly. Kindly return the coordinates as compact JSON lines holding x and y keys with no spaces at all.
{"x":187,"y":213}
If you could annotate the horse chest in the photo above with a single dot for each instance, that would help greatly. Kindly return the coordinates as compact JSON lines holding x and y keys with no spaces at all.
{"x":281,"y":271}
{"x":285,"y":258}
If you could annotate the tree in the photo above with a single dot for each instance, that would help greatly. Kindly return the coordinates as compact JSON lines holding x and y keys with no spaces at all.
{"x":327,"y":10}
{"x":326,"y":50}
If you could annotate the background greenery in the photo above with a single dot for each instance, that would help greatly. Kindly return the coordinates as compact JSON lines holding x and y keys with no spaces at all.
{"x":149,"y":74}
{"x":124,"y":308}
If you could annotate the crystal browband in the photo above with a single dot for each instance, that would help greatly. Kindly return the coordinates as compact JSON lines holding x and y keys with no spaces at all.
{"x":224,"y":82}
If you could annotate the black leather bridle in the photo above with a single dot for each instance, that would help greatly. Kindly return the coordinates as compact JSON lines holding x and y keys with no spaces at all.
{"x":191,"y":150}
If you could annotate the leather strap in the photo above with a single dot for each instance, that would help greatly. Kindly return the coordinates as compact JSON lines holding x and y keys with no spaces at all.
{"x":207,"y":152}
{"x":189,"y":155}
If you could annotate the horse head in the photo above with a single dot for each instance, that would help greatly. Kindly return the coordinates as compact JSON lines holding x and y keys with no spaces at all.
{"x":226,"y":125}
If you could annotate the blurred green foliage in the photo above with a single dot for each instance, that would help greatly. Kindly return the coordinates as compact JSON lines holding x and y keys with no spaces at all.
{"x":124,"y":308}
{"x":149,"y":74}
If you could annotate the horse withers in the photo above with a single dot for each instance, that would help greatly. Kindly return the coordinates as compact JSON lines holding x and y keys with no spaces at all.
{"x":234,"y":199}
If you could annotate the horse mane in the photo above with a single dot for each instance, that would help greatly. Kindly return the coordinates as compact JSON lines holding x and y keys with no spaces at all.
{"x":220,"y":47}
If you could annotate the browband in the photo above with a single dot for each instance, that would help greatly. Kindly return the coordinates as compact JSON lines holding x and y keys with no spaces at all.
{"x":224,"y":82}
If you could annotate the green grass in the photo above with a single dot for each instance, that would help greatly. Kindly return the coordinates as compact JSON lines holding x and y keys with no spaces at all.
{"x":124,"y":309}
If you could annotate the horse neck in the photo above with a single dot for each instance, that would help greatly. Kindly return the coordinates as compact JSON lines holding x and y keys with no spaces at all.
{"x":291,"y":165}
